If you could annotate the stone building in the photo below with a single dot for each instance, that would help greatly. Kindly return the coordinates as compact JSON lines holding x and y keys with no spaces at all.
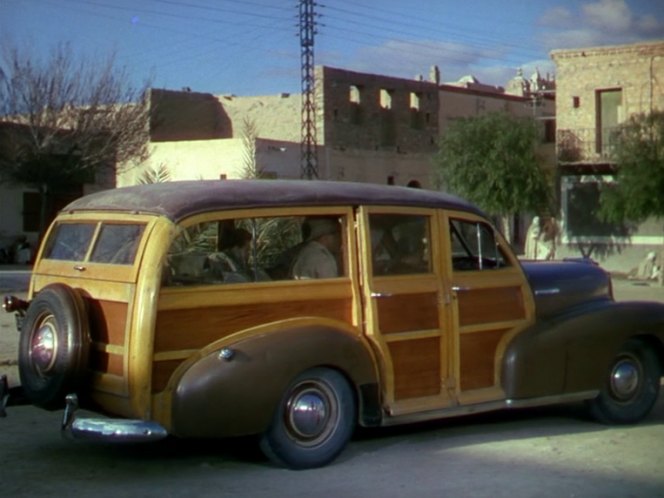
{"x":597,"y":89}
{"x":370,"y":128}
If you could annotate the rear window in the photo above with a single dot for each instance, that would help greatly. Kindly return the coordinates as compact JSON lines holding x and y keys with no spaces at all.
{"x":70,"y":241}
{"x":113,"y":243}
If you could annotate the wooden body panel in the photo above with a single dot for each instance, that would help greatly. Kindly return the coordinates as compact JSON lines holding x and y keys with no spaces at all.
{"x":181,"y":331}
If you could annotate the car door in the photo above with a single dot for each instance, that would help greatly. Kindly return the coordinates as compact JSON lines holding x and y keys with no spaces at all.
{"x":406,"y":315}
{"x":491,"y":299}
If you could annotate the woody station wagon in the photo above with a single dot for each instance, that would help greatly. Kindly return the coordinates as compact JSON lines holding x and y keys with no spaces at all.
{"x":297,"y":310}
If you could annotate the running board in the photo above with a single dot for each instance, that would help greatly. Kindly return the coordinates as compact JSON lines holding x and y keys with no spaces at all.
{"x":457,"y":411}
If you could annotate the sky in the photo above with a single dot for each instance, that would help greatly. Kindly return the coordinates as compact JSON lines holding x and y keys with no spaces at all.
{"x":253,"y":47}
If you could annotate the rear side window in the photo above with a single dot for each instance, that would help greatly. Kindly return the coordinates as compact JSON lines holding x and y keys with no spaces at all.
{"x":257,"y":250}
{"x":113,"y":244}
{"x":400,"y":244}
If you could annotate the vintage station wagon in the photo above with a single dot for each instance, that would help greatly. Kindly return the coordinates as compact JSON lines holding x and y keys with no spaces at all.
{"x":296,"y":311}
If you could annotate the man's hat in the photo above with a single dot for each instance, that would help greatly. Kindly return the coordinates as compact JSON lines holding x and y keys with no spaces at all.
{"x":321,"y":226}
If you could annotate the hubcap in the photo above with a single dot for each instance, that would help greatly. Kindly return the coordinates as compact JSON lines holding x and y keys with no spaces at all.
{"x":310,"y":413}
{"x":625,"y":379}
{"x":44,"y":345}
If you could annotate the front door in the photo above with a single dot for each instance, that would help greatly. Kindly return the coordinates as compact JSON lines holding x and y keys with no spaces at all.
{"x":492,"y":303}
{"x":406,"y":312}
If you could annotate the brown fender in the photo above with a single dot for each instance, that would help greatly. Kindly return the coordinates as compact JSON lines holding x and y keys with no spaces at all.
{"x":570,"y":353}
{"x":217,"y":397}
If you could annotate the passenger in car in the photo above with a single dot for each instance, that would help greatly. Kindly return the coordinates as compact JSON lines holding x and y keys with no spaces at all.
{"x":232,"y":264}
{"x":318,"y":257}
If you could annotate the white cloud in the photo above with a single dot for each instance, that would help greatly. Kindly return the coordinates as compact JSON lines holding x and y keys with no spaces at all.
{"x":407,"y":59}
{"x":611,"y":15}
{"x":602,"y":22}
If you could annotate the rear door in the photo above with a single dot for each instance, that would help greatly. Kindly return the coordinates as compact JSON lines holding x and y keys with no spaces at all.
{"x":407,"y":318}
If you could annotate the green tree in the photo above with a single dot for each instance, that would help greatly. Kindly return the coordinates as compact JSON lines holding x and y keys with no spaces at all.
{"x":492,"y":161}
{"x":158,"y":174}
{"x":638,"y":153}
{"x":638,"y":190}
{"x":67,"y":119}
{"x":250,"y":166}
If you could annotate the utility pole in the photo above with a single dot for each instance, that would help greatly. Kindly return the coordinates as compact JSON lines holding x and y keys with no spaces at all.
{"x":308,"y":145}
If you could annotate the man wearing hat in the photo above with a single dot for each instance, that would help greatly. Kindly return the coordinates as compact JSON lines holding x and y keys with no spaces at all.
{"x":317,"y":258}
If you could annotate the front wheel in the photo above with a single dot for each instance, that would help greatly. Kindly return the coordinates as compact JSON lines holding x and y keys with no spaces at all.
{"x":313,"y":421}
{"x":631,"y":387}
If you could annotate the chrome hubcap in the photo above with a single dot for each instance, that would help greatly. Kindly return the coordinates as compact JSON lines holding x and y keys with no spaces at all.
{"x":625,"y":379}
{"x":44,"y":345}
{"x":311,"y":413}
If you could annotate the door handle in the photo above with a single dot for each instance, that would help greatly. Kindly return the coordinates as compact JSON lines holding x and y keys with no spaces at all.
{"x":381,"y":294}
{"x":458,"y":288}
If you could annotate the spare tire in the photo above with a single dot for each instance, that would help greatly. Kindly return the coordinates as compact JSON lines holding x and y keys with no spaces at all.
{"x":54,"y":346}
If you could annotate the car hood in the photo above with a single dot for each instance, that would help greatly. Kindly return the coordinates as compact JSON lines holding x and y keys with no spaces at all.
{"x":561,"y":285}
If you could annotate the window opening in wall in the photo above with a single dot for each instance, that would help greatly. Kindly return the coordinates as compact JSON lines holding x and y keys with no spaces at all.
{"x":355,"y":94}
{"x":386,"y":98}
{"x":609,"y":116}
{"x":415,"y":100}
{"x":576,"y":102}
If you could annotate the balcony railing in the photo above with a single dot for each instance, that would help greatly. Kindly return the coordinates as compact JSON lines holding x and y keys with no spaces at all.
{"x":583,"y":145}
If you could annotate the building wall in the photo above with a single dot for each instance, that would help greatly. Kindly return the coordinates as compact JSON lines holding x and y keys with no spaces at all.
{"x":356,"y":165}
{"x":215,"y":159}
{"x":372,"y":112}
{"x":11,"y":227}
{"x":581,"y":76}
{"x":636,"y":69}
{"x":458,"y":103}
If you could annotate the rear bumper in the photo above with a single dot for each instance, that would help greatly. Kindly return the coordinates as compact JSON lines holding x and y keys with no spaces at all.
{"x":107,"y":429}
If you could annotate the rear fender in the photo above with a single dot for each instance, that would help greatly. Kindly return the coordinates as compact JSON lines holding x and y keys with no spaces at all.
{"x":233,"y":386}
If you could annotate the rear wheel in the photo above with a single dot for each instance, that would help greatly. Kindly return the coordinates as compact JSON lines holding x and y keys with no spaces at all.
{"x":313,"y":422}
{"x":631,"y":387}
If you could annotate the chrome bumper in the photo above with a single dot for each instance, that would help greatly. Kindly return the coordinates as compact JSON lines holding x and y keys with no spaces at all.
{"x":107,"y":429}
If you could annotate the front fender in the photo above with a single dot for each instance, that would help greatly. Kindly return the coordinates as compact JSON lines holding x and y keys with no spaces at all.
{"x":216,"y":397}
{"x":570,"y":353}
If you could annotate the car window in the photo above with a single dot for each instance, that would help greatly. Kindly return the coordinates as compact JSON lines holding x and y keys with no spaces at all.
{"x":70,"y":241}
{"x":474,"y":246}
{"x":256,"y":250}
{"x":400,"y":244}
{"x":117,"y":243}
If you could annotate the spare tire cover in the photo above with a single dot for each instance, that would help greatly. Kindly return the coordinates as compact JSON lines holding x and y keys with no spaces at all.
{"x":54,"y":346}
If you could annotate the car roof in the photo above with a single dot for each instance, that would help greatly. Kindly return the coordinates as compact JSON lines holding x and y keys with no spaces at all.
{"x":180,"y":199}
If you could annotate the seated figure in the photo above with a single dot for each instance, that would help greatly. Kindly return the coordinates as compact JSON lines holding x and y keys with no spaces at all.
{"x":318,"y":256}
